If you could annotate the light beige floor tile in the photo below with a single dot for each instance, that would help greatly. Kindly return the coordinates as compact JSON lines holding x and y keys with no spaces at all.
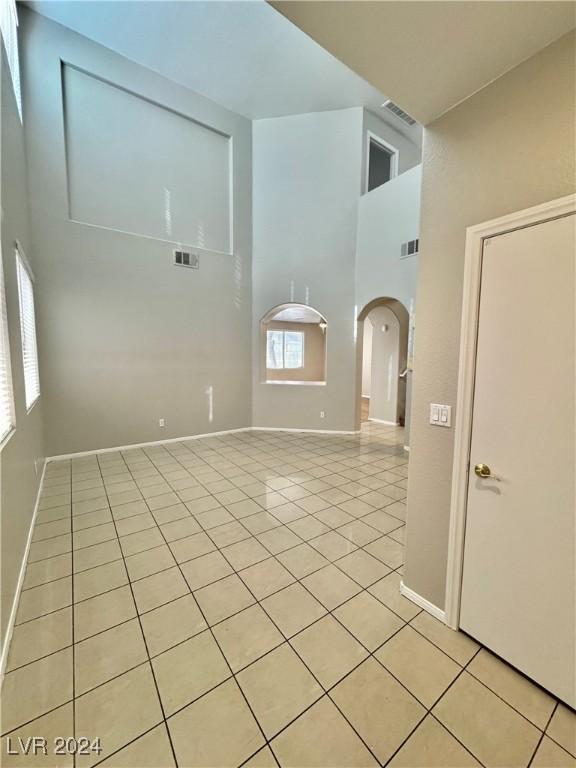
{"x":152,"y":750}
{"x":321,"y":737}
{"x":149,"y":562}
{"x":179,"y":529}
{"x":103,"y":612}
{"x":40,"y":637}
{"x":398,"y":509}
{"x":262,"y":759}
{"x":487,"y":726}
{"x":58,"y":723}
{"x":399,"y":534}
{"x":141,"y":541}
{"x":266,"y":577}
{"x":382,"y":521}
{"x":89,"y":505}
{"x":456,"y":644}
{"x":43,"y":599}
{"x":387,"y":590}
{"x":312,"y":504}
{"x":99,"y":554}
{"x":136,"y":523}
{"x":328,"y":650}
{"x":131,"y":508}
{"x":220,"y":600}
{"x":387,"y":550}
{"x":244,"y":508}
{"x":363,"y":568}
{"x":308,"y":527}
{"x":161,"y":588}
{"x":280,"y":670}
{"x":302,"y":560}
{"x":118,"y":711}
{"x":162,"y":500}
{"x":260,"y":522}
{"x":228,"y":534}
{"x":189,"y":670}
{"x":107,"y":655}
{"x":191,"y":546}
{"x":368,"y":620}
{"x":358,"y":532}
{"x":562,"y":728}
{"x":33,"y":690}
{"x":221,"y":712}
{"x":279,"y":539}
{"x":100,"y":579}
{"x":245,"y":553}
{"x":333,"y":517}
{"x":205,"y":570}
{"x":432,"y":746}
{"x":198,"y":505}
{"x":170,"y":514}
{"x":247,"y":636}
{"x":292,"y":609}
{"x":356,"y":507}
{"x":48,"y":570}
{"x":330,"y":586}
{"x":332,"y":545}
{"x":418,"y":664}
{"x":91,"y":519}
{"x":513,"y":687}
{"x":42,"y":550}
{"x":286,"y":513}
{"x":378,"y":707}
{"x":171,"y":624}
{"x":212,"y":518}
{"x":48,"y":530}
{"x":550,"y":755}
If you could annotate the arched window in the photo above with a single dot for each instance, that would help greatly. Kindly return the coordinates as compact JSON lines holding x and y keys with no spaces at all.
{"x":293,"y":345}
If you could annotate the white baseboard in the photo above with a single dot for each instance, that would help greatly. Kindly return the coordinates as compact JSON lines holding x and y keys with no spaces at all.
{"x":381,"y":421}
{"x":79,"y":454}
{"x":311,"y":431}
{"x":20,"y":582}
{"x":438,"y":613}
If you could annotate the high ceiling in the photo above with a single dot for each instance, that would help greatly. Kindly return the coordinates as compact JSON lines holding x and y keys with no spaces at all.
{"x":243,"y":55}
{"x":429,"y":56}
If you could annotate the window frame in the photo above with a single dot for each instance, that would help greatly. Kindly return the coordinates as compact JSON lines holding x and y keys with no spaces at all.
{"x":283,"y":367}
{"x":393,"y":151}
{"x":23,"y":267}
{"x":5,"y":344}
{"x":9,"y":35}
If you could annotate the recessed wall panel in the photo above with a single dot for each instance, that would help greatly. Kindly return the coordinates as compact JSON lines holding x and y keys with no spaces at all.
{"x":141,"y":168}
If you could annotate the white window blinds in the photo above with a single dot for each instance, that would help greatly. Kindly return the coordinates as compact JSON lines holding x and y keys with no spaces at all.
{"x":284,"y":349}
{"x":6,"y":396}
{"x":28,"y":331}
{"x":9,"y":28}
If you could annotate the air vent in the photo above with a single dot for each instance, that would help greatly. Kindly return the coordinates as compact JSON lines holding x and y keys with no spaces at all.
{"x":395,"y":109}
{"x":409,"y":249}
{"x":186,"y":259}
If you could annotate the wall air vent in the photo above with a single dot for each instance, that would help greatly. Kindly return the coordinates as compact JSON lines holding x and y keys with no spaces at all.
{"x":186,"y":259}
{"x":409,"y":249}
{"x":395,"y":109}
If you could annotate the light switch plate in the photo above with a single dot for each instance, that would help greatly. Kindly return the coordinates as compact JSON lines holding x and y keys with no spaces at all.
{"x":440,"y":415}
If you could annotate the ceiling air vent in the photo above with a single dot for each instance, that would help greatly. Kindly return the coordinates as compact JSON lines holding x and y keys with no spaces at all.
{"x":409,"y":249}
{"x":186,"y":259}
{"x":395,"y":109}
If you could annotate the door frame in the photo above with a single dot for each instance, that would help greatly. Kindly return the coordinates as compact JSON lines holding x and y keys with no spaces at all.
{"x":475,"y":237}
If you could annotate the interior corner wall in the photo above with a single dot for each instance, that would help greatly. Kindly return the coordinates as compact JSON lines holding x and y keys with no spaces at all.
{"x":307,"y":171}
{"x":125,"y":337}
{"x":21,"y":458}
{"x":508,"y":147}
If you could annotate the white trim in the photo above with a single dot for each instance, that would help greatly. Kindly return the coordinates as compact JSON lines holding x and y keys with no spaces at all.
{"x":79,"y":454}
{"x":381,"y":421}
{"x":20,"y":583}
{"x":475,"y":237}
{"x":429,"y":607}
{"x":287,"y":382}
{"x":394,"y":158}
{"x":311,"y":431}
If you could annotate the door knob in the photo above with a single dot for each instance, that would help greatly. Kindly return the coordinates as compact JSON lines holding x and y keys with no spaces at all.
{"x":482,"y":470}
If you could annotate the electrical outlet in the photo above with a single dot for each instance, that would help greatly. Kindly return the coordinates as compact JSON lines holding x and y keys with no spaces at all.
{"x":321,"y":414}
{"x":161,"y":423}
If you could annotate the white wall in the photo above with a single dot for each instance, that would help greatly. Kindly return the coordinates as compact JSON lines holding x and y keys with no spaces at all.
{"x":125,"y":337}
{"x":367,"y":358}
{"x":307,"y":171}
{"x":384,"y":372}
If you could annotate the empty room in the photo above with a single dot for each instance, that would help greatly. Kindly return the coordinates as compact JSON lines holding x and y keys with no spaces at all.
{"x":287,"y":383}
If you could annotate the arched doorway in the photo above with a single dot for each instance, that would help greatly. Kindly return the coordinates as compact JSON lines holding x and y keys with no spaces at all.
{"x":386,"y":360}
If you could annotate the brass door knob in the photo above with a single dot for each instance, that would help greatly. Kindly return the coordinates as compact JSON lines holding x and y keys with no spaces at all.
{"x":482,"y":470}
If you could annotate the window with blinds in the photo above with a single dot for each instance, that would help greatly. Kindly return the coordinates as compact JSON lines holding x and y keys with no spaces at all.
{"x":284,"y":349}
{"x":7,"y":420}
{"x":9,"y":29}
{"x":28,"y":331}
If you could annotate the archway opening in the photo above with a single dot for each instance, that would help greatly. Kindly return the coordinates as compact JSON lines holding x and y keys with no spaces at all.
{"x":293,"y":345}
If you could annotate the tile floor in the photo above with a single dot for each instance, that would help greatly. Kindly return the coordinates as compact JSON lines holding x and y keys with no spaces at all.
{"x":234,"y":601}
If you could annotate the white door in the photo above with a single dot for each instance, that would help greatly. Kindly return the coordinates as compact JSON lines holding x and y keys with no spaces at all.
{"x":518,"y":589}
